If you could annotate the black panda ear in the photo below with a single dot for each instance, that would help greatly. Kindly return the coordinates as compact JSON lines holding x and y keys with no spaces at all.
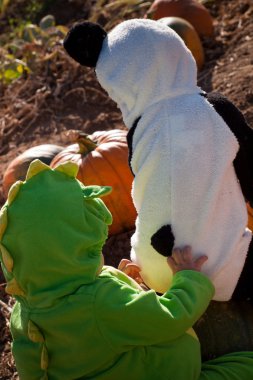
{"x":84,"y":42}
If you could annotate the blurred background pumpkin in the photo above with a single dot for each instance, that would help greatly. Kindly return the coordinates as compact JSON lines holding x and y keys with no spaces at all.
{"x":17,"y":168}
{"x":250,"y":217}
{"x":189,"y":35}
{"x":191,"y":10}
{"x":102,"y":158}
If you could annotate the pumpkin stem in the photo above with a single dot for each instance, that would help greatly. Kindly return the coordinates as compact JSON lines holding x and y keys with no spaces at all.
{"x":86,"y":145}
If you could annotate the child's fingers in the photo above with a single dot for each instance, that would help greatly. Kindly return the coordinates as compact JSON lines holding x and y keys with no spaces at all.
{"x":200,"y":261}
{"x":171,"y":261}
{"x":183,"y":255}
{"x":176,"y":255}
{"x":123,"y":263}
{"x":172,"y":264}
{"x":133,"y":271}
{"x":130,"y":268}
{"x":182,"y":259}
{"x":187,"y":253}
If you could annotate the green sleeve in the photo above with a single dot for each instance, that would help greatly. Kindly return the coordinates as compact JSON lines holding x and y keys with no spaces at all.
{"x":128,"y":317}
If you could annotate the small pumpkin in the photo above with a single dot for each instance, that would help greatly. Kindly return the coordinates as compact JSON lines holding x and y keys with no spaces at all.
{"x":189,"y":35}
{"x":102,"y":158}
{"x":18,"y":167}
{"x":191,"y":10}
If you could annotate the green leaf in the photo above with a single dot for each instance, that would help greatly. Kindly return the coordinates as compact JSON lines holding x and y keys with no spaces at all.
{"x":31,"y":33}
{"x":10,"y":75}
{"x":62,"y":29}
{"x":12,"y":69}
{"x":47,"y":22}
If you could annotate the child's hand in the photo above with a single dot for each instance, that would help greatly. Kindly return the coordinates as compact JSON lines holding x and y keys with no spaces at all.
{"x":130,"y":269}
{"x":181,"y":259}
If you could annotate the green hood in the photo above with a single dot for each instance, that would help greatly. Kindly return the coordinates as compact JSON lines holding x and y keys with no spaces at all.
{"x":52,"y":229}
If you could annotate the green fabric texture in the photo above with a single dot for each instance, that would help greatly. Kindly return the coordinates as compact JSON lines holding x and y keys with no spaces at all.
{"x":60,"y":227}
{"x":73,"y":321}
{"x":234,"y":366}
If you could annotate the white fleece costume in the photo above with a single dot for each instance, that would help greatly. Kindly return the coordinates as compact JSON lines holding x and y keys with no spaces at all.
{"x":182,"y":157}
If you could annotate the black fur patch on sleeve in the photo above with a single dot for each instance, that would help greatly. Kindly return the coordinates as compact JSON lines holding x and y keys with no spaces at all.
{"x":130,"y":142}
{"x":163,"y":240}
{"x":84,"y":41}
{"x":243,"y":162}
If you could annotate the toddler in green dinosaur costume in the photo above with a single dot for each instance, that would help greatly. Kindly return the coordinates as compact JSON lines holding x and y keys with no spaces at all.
{"x":75,"y":319}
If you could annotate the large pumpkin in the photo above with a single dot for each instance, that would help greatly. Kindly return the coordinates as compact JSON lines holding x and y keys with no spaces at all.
{"x":191,"y":10}
{"x":189,"y":35}
{"x":17,"y":168}
{"x":103,"y":160}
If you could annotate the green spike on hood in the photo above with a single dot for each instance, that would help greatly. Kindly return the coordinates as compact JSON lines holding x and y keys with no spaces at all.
{"x":36,"y":167}
{"x":54,"y":233}
{"x":34,"y":333}
{"x":69,"y":168}
{"x":7,"y":259}
{"x":3,"y":220}
{"x":13,"y":192}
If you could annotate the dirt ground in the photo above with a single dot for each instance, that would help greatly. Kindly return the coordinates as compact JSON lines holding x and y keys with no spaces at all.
{"x":61,"y":95}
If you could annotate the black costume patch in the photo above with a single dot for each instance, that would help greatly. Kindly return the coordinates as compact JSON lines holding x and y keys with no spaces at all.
{"x":84,"y":42}
{"x":235,"y":120}
{"x":130,"y":141}
{"x":163,"y":240}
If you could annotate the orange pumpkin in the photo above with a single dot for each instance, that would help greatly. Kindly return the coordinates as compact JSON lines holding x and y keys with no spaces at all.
{"x":191,"y":10}
{"x":17,"y":168}
{"x":250,"y":217}
{"x":189,"y":35}
{"x":103,"y":160}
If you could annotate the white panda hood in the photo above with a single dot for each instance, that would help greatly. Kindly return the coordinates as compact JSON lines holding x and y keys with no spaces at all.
{"x":182,"y":155}
{"x":138,"y":68}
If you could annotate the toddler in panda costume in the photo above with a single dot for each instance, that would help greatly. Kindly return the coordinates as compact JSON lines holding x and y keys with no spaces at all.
{"x":190,"y":153}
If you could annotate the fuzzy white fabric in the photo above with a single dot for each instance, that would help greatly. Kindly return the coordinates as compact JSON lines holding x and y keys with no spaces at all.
{"x":183,"y":155}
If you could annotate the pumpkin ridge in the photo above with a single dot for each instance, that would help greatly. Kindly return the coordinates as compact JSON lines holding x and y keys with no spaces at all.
{"x":108,"y":201}
{"x":127,"y":195}
{"x":120,"y":178}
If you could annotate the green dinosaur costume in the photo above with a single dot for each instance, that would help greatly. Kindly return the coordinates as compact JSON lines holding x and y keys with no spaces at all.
{"x":72,"y":321}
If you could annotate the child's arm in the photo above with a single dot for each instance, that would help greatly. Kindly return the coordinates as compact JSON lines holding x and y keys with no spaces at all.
{"x":129,"y":317}
{"x":181,"y":259}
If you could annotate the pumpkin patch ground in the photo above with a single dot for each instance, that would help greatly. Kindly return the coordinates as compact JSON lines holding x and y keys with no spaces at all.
{"x":57,"y":95}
